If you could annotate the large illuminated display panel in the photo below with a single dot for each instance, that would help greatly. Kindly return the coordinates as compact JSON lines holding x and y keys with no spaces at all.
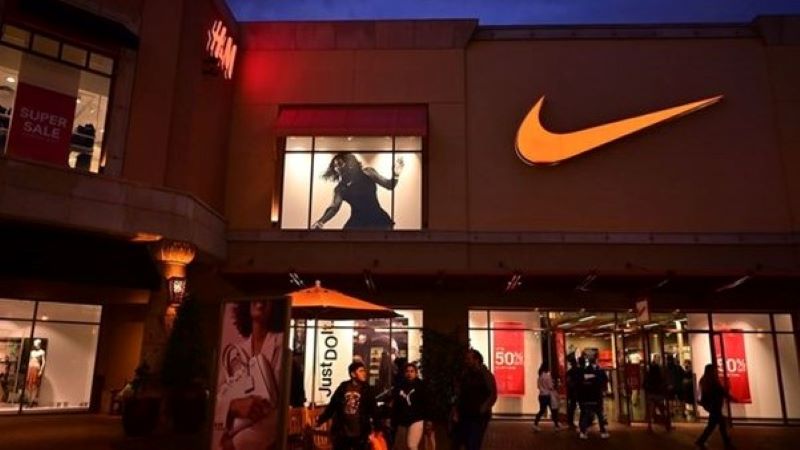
{"x":363,"y":178}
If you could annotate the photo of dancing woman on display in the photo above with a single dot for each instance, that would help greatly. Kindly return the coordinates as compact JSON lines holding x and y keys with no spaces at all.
{"x":356,"y":185}
{"x":249,"y":396}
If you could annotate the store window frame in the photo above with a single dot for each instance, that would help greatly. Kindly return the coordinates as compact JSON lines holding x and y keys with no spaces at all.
{"x":310,"y":326}
{"x":277,"y":206}
{"x":90,"y":52}
{"x":33,"y":321}
{"x":547,"y":333}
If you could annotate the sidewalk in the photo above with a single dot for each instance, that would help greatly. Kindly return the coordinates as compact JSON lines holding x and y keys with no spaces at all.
{"x":100,"y":432}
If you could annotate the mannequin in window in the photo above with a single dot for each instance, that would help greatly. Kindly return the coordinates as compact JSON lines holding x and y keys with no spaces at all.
{"x":356,"y":185}
{"x":36,"y":363}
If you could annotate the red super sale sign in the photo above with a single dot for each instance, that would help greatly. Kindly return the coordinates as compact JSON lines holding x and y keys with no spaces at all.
{"x":41,"y":125}
{"x":735,"y":366}
{"x":509,"y":358}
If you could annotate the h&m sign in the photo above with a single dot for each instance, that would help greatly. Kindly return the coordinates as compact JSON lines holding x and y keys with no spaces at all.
{"x":221,"y":49}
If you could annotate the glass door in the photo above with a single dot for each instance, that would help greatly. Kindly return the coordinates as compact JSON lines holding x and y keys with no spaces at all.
{"x":633,"y":351}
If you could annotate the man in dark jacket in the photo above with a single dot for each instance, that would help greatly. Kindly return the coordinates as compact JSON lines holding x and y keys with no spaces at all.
{"x":352,"y":409}
{"x":574,"y":375}
{"x":590,"y":396}
{"x":477,"y":393}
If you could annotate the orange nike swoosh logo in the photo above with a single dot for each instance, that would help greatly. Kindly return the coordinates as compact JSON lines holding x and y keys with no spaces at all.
{"x":537,"y":145}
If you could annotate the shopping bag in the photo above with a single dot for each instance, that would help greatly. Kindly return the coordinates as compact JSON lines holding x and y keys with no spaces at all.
{"x":377,"y":441}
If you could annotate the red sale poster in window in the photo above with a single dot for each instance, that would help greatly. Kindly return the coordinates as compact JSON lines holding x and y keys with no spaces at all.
{"x":509,"y":358}
{"x":41,"y":125}
{"x":735,"y":365}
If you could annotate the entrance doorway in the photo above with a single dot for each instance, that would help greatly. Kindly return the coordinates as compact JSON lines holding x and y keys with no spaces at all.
{"x":626,"y":350}
{"x":662,"y":346}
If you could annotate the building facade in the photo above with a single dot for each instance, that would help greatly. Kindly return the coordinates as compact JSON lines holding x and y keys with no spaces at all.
{"x":388,"y":159}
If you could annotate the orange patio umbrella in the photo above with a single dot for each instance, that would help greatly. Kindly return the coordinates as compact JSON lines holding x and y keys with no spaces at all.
{"x":322,"y":303}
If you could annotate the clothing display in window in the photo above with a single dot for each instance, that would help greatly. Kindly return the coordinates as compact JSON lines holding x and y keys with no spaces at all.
{"x":83,"y":137}
{"x":35,"y":371}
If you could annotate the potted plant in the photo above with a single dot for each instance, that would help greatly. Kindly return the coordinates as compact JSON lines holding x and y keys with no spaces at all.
{"x":185,"y":369}
{"x":140,"y":405}
{"x":441,"y":363}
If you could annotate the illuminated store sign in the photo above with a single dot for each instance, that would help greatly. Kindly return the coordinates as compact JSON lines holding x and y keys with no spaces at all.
{"x":537,"y":145}
{"x":220,"y":46}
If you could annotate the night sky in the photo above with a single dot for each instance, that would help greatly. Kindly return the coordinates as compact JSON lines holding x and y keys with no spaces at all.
{"x":530,"y":12}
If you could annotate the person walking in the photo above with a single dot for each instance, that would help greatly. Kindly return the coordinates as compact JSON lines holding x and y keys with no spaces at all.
{"x":573,"y":382}
{"x":548,"y":398}
{"x":655,"y":389}
{"x":476,"y":393}
{"x":590,"y":397}
{"x":712,"y":399}
{"x":410,"y":409}
{"x":352,"y":408}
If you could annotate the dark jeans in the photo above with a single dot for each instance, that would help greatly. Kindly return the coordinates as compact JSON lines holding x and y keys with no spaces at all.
{"x":469,"y":432}
{"x":572,"y":405}
{"x":544,"y":405}
{"x":350,"y":443}
{"x":588,"y":411}
{"x":715,"y":418}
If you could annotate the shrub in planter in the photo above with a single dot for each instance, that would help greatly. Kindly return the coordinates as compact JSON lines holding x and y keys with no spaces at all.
{"x":442,"y":362}
{"x":140,"y":405}
{"x":185,"y":370}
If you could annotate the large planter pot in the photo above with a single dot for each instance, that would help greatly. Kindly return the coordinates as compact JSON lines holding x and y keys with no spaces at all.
{"x":188,"y":411}
{"x":140,"y":415}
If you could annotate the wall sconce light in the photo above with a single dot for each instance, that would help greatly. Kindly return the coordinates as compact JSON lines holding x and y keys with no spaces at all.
{"x":177,"y":290}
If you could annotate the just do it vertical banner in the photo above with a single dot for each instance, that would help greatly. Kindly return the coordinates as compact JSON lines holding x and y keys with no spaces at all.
{"x":509,"y":358}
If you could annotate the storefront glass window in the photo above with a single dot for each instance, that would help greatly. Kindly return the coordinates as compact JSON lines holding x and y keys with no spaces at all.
{"x":741,"y":322}
{"x":16,"y":36}
{"x":13,"y":335}
{"x":511,"y":345}
{"x":16,"y":309}
{"x":45,"y":46}
{"x":381,"y":344}
{"x":65,"y":363}
{"x":783,"y":322}
{"x":53,"y":106}
{"x":479,"y":318}
{"x":47,"y":363}
{"x":74,"y":55}
{"x":101,"y":64}
{"x":697,"y":321}
{"x":790,"y":372}
{"x":68,"y":312}
{"x":356,"y":182}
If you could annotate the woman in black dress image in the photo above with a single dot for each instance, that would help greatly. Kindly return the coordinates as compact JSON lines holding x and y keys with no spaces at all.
{"x":356,"y":185}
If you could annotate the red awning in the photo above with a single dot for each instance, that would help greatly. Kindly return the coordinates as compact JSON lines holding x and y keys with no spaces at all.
{"x":367,"y":120}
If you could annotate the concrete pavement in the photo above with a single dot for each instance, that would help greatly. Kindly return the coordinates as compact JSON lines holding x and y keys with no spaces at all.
{"x":101,"y":432}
